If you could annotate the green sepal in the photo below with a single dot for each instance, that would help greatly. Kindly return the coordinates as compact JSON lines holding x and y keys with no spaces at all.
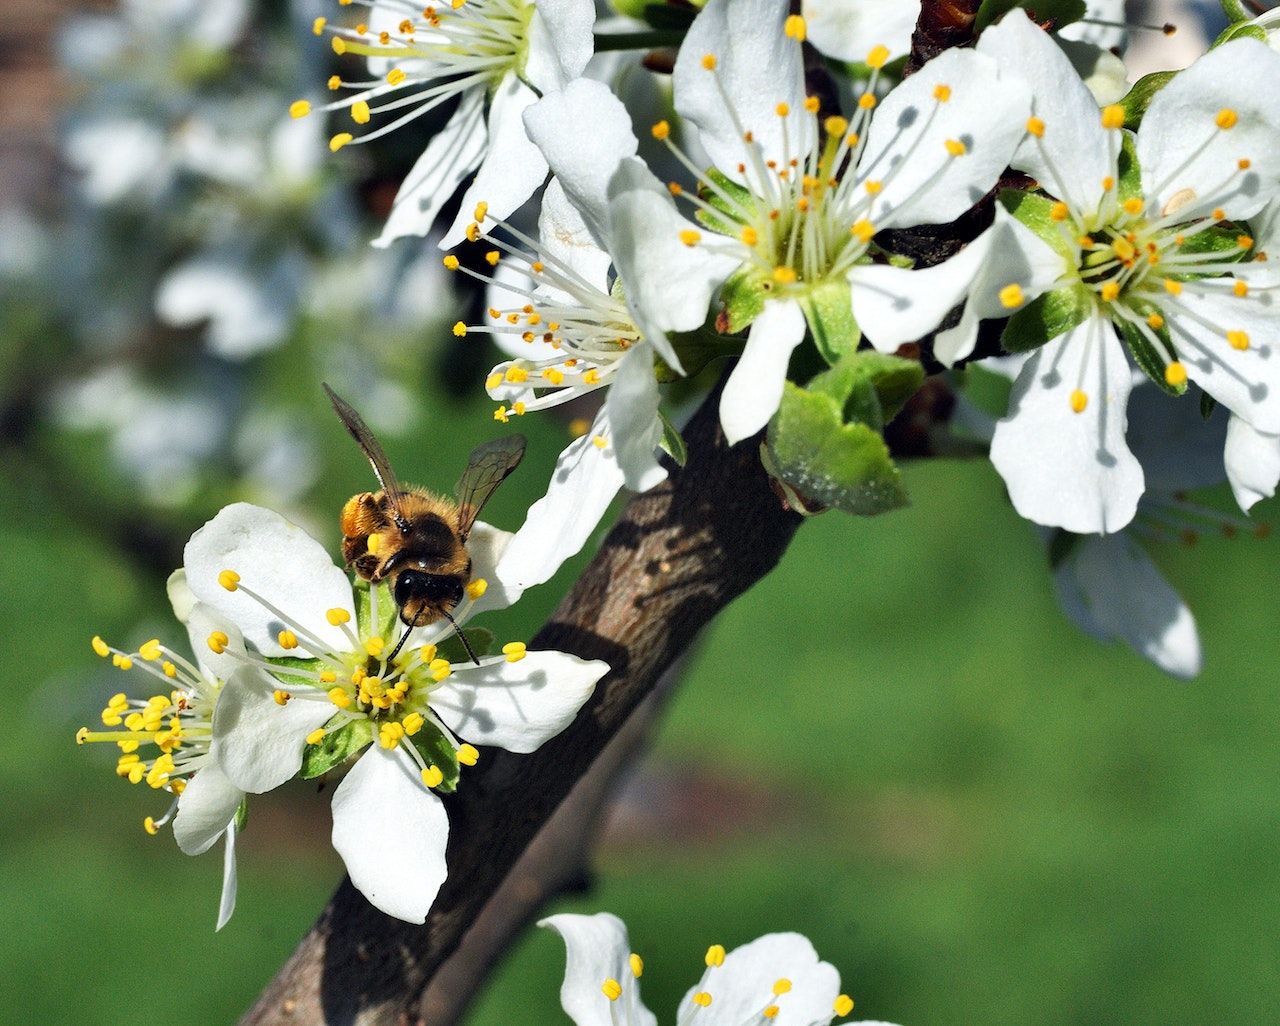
{"x":1207,"y":405}
{"x":696,"y":349}
{"x":1063,"y":12}
{"x":306,"y":679}
{"x":1240,"y":31}
{"x":479,"y":638}
{"x":387,"y":613}
{"x":1046,"y":317}
{"x":1223,"y":238}
{"x":437,"y":750}
{"x":727,"y":198}
{"x":242,"y":814}
{"x":1137,"y":99}
{"x":673,"y":441}
{"x":869,"y":386}
{"x":1061,"y":545}
{"x":1130,"y":184}
{"x":1235,"y":11}
{"x":335,"y":748}
{"x":828,"y":310}
{"x":743,"y":295}
{"x":1034,"y":209}
{"x":1146,"y":354}
{"x":666,"y":17}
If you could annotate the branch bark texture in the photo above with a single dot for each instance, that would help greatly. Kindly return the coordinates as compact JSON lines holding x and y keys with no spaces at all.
{"x":678,"y":555}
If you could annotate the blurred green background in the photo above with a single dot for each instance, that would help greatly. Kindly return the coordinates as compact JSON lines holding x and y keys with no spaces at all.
{"x":895,"y":744}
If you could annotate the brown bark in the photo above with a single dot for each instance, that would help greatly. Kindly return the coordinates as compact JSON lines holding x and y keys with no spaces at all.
{"x":942,"y":24}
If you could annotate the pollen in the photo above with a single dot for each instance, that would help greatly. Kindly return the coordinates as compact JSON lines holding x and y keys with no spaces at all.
{"x":492,"y":257}
{"x":771,"y":1012}
{"x":866,"y":101}
{"x":878,"y":57}
{"x":1035,"y":127}
{"x":318,"y":25}
{"x":149,"y":825}
{"x":280,"y":697}
{"x":1058,"y":212}
{"x":1226,"y":118}
{"x":1176,"y":374}
{"x":785,"y":275}
{"x":1174,"y":288}
{"x":339,"y":45}
{"x":836,"y":126}
{"x":709,"y":61}
{"x":1155,"y":321}
{"x":339,"y":697}
{"x":1113,"y":117}
{"x":334,"y":83}
{"x":100,"y":647}
{"x":795,"y":28}
{"x":459,"y":329}
{"x":1110,"y":292}
{"x":843,"y":1005}
{"x":1240,"y":288}
{"x":781,"y":986}
{"x":299,"y":109}
{"x":316,"y":736}
{"x":337,"y":615}
{"x":1133,"y":205}
{"x":873,"y":186}
{"x":287,"y":639}
{"x":749,"y":235}
{"x":395,"y":76}
{"x":218,"y":642}
{"x":690,"y":237}
{"x":432,"y":776}
{"x":514,"y":651}
{"x":942,"y":93}
{"x":812,"y":104}
{"x":1238,"y":339}
{"x":477,"y":588}
{"x":702,"y":999}
{"x":340,"y":140}
{"x":1244,"y":241}
{"x":600,"y":441}
{"x":481,"y":211}
{"x":864,"y":231}
{"x":715,"y":953}
{"x":360,"y":112}
{"x":451,"y":262}
{"x":782,"y":110}
{"x":611,"y":989}
{"x":229,"y":579}
{"x":956,"y":148}
{"x":1011,"y":296}
{"x":1078,"y":401}
{"x":468,"y":755}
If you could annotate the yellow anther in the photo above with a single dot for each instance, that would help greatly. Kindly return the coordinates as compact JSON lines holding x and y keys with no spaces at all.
{"x":702,"y":999}
{"x":1244,"y":241}
{"x":1011,"y":296}
{"x":843,"y":1005}
{"x":287,"y":639}
{"x":317,"y":26}
{"x":591,"y":377}
{"x":709,"y":62}
{"x":1155,"y":321}
{"x":866,"y":101}
{"x":316,"y":736}
{"x":836,"y":126}
{"x":1133,"y":205}
{"x":1175,"y":373}
{"x":100,"y":647}
{"x":500,"y":415}
{"x":481,"y":211}
{"x":492,"y":257}
{"x":1238,"y":339}
{"x":339,"y":45}
{"x":335,"y":82}
{"x":955,"y":147}
{"x":771,"y":1012}
{"x":340,"y":140}
{"x":517,"y":375}
{"x":878,"y":57}
{"x":476,"y":588}
{"x":611,"y":989}
{"x":1058,"y":211}
{"x":553,"y":375}
{"x":339,"y":697}
{"x":229,"y":579}
{"x":413,"y":723}
{"x":942,"y":93}
{"x":1124,"y":249}
{"x":337,"y":616}
{"x":795,"y":28}
{"x":1219,"y":214}
{"x":360,"y":112}
{"x":749,"y":235}
{"x":82,"y":735}
{"x":637,"y":965}
{"x":1174,"y":288}
{"x":715,"y":955}
{"x":218,"y":642}
{"x":863,"y":231}
{"x":1240,"y":288}
{"x":439,"y":669}
{"x":1226,"y":118}
{"x":873,"y":186}
{"x":151,"y":650}
{"x":782,"y":110}
{"x":432,"y":776}
{"x":149,"y":825}
{"x":600,"y":441}
{"x":280,"y":697}
{"x":785,"y":275}
{"x":1078,"y":401}
{"x":1035,"y":127}
{"x":690,"y":237}
{"x":1113,"y":116}
{"x":299,"y":109}
{"x":1108,"y":183}
{"x":812,"y":104}
{"x":1110,"y":292}
{"x":514,"y":651}
{"x":781,"y":986}
{"x":374,"y":646}
{"x":395,"y":76}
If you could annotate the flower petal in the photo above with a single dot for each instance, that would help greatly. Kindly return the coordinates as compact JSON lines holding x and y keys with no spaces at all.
{"x":487,"y":545}
{"x":847,"y":31}
{"x":560,"y":42}
{"x":745,"y":983}
{"x":597,"y":949}
{"x":1111,"y":589}
{"x":277,"y":560}
{"x":391,"y":832}
{"x":911,"y":132}
{"x":227,"y":900}
{"x":754,"y":388}
{"x":1062,"y":468}
{"x":206,"y":807}
{"x":1253,"y":462}
{"x":257,"y":742}
{"x":634,"y":426}
{"x":516,"y":706}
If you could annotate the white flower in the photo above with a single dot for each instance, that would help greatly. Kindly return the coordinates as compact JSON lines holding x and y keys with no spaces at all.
{"x":336,"y":690}
{"x":494,"y":57}
{"x":1150,"y":241}
{"x":178,"y":723}
{"x":776,"y":979}
{"x":848,"y":30}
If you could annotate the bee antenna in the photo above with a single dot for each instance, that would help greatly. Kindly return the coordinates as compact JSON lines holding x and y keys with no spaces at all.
{"x":461,"y":637}
{"x":405,"y":637}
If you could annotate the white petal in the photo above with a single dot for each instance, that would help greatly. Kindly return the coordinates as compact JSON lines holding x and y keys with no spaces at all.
{"x":516,"y":706}
{"x":635,"y":430}
{"x":205,"y":808}
{"x":893,"y":305}
{"x":907,"y":143}
{"x":487,"y":547}
{"x":597,"y":949}
{"x":227,"y":900}
{"x":848,"y":30}
{"x":583,"y":484}
{"x":1074,"y":155}
{"x":1180,"y":148}
{"x":560,"y":42}
{"x":1111,"y":588}
{"x":744,"y":983}
{"x":1253,"y":462}
{"x":1067,"y":469}
{"x":258,"y":742}
{"x":754,"y":388}
{"x":583,"y":161}
{"x":391,"y":832}
{"x":452,"y":154}
{"x":278,"y":561}
{"x":1110,"y":33}
{"x":565,"y":237}
{"x":511,"y":170}
{"x":1177,"y":447}
{"x":757,"y":68}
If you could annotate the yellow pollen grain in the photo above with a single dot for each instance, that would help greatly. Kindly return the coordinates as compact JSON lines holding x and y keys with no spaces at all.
{"x":1078,"y":401}
{"x":406,"y":27}
{"x":866,"y":101}
{"x":843,"y":1005}
{"x":123,"y":662}
{"x":1174,"y":288}
{"x":218,"y":642}
{"x":481,"y":211}
{"x":836,"y":126}
{"x":873,"y":186}
{"x":785,"y":275}
{"x":318,"y":25}
{"x":1176,"y":374}
{"x":795,"y":28}
{"x":339,"y":697}
{"x":229,"y":579}
{"x":878,"y":57}
{"x":335,"y":82}
{"x":1240,"y":288}
{"x":1244,"y":241}
{"x":1011,"y":296}
{"x":702,"y":999}
{"x":492,"y":257}
{"x":1238,"y":339}
{"x":812,"y":104}
{"x":1155,"y":321}
{"x":468,"y":755}
{"x":600,"y":441}
{"x":709,"y":61}
{"x":149,"y":825}
{"x":287,"y":639}
{"x":514,"y":651}
{"x":636,"y":964}
{"x":340,"y":140}
{"x":863,"y":231}
{"x":591,"y":377}
{"x":1035,"y":127}
{"x":373,"y":544}
{"x":337,"y":616}
{"x":1113,"y":116}
{"x":151,"y":650}
{"x":956,"y":148}
{"x":771,"y":1012}
{"x":413,"y":723}
{"x":395,"y":76}
{"x":459,"y":330}
{"x":360,"y":112}
{"x":611,"y":989}
{"x":1226,"y":118}
{"x":473,"y":232}
{"x":374,"y":646}
{"x":781,"y":986}
{"x":942,"y":93}
{"x":299,"y":109}
{"x":782,"y":110}
{"x":451,"y":262}
{"x":100,"y":647}
{"x":1133,"y":205}
{"x":476,"y":588}
{"x":316,"y":736}
{"x":690,"y":237}
{"x":500,"y":415}
{"x":715,"y":955}
{"x":432,"y":776}
{"x":1110,"y":292}
{"x":339,"y":45}
{"x":280,"y":697}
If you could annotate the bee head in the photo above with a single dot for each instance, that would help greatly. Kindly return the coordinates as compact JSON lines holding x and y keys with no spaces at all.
{"x":423,"y":597}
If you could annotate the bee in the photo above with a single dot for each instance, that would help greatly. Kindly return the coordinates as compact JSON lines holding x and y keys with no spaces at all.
{"x":413,"y":539}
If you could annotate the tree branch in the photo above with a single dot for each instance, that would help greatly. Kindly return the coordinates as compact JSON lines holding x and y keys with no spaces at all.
{"x":678,"y":555}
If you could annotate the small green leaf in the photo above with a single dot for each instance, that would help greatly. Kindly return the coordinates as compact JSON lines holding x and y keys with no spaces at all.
{"x":1152,"y":358}
{"x":242,"y":813}
{"x":729,"y":199}
{"x":437,"y":750}
{"x":1046,"y":317}
{"x":743,"y":295}
{"x":335,"y":748}
{"x":673,"y":441}
{"x":828,"y":310}
{"x":1130,"y":185}
{"x":1033,"y":209}
{"x":829,"y":462}
{"x":387,"y":614}
{"x":479,"y":638}
{"x":1138,"y":98}
{"x":696,"y":349}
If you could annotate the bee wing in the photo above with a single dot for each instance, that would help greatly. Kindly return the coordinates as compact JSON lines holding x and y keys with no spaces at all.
{"x":355,"y":424}
{"x":487,"y":468}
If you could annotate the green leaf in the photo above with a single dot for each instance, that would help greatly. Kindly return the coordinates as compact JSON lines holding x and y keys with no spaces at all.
{"x":335,"y":748}
{"x":1046,"y":317}
{"x":1147,"y":355}
{"x":1138,"y":98}
{"x":870,"y":387}
{"x":673,"y":441}
{"x":743,"y":295}
{"x":696,"y":349}
{"x":479,"y":638}
{"x":242,"y":813}
{"x":828,"y":310}
{"x":1033,"y":209}
{"x":1063,"y":12}
{"x":437,"y":750}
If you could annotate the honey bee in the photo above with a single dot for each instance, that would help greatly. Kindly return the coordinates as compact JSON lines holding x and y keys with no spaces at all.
{"x":413,"y":539}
